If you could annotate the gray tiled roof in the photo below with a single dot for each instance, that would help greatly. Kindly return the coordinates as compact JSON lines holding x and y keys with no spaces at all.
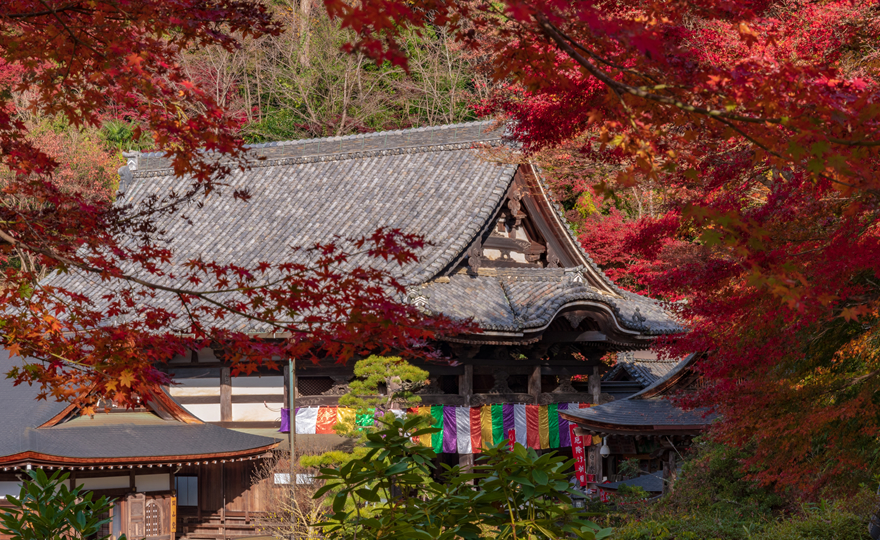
{"x":428,"y":181}
{"x":524,"y":298}
{"x":21,"y":410}
{"x":644,"y":370}
{"x":560,"y":212}
{"x":657,"y":411}
{"x":168,"y":438}
{"x":652,"y":483}
{"x":637,"y":410}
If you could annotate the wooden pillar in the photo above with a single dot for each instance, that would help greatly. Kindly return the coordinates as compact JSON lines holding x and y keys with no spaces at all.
{"x":466,"y":384}
{"x":668,"y":471}
{"x":467,"y":463}
{"x":535,"y":383}
{"x":594,"y":464}
{"x":466,"y":391}
{"x":594,"y":382}
{"x":225,"y":395}
{"x":223,"y":498}
{"x":286,"y":372}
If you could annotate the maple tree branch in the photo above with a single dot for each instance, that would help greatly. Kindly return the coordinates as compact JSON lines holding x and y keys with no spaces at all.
{"x":180,"y":293}
{"x":749,"y":138}
{"x":564,"y":42}
{"x":91,"y":269}
{"x":71,"y":33}
{"x":611,"y":64}
{"x":76,"y":6}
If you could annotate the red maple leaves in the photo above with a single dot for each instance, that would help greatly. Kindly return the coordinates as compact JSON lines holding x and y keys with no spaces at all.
{"x":78,"y":62}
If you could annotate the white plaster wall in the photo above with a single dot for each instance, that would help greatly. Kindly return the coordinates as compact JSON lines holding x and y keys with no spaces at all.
{"x":257,"y":390}
{"x":208,"y":386}
{"x":151,"y":482}
{"x":206,"y":412}
{"x":104,"y":482}
{"x":254,"y":412}
{"x":9,"y":488}
{"x":492,"y":254}
{"x":249,"y":386}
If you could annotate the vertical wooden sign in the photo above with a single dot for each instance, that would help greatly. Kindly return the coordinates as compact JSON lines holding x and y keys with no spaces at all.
{"x":594,"y":461}
{"x":577,"y":450}
{"x":172,"y":513}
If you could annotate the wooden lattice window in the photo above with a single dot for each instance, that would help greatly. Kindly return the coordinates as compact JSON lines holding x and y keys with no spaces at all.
{"x":313,"y":386}
{"x":153,"y":520}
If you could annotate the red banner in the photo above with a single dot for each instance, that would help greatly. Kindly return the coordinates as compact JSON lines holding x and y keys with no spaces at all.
{"x":580,"y":459}
{"x":511,"y":438}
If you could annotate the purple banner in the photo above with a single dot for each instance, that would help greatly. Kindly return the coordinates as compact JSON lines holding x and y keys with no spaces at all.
{"x":285,"y":421}
{"x":564,"y":434}
{"x":450,"y":434}
{"x":507,"y":418}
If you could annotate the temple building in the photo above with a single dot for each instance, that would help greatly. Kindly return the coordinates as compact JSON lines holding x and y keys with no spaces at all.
{"x":171,"y":474}
{"x":501,"y":254}
{"x":647,"y":426}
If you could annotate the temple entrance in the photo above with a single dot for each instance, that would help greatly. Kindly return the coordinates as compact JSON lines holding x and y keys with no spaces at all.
{"x":149,"y":516}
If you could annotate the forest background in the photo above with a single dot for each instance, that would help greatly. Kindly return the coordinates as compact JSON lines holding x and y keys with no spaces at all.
{"x":764,"y":243}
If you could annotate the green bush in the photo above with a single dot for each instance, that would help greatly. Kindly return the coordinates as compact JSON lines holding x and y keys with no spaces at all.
{"x":835,"y":521}
{"x":389,"y":493}
{"x":712,"y":480}
{"x":47,"y":509}
{"x":696,"y":526}
{"x":712,"y":500}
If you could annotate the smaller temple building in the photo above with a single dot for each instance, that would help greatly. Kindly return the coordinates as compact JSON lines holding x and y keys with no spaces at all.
{"x":647,"y":426}
{"x":171,"y":474}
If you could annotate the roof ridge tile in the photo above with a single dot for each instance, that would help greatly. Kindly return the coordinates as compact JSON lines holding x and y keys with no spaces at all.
{"x":469,"y":132}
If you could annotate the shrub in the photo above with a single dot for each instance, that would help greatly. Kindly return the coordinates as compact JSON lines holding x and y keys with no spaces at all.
{"x":825,"y":521}
{"x":48,"y":509}
{"x":520,"y":494}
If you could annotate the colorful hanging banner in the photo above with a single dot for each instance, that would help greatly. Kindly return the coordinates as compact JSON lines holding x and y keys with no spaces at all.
{"x":580,"y":459}
{"x":462,"y":430}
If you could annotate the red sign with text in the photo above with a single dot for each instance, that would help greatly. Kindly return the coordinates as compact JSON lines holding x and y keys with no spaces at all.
{"x":580,"y":458}
{"x":511,"y":438}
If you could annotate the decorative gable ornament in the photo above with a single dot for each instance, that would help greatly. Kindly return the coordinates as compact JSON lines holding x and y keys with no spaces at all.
{"x":515,"y":206}
{"x":475,"y":254}
{"x":576,"y":277}
{"x":416,"y":298}
{"x":638,"y":318}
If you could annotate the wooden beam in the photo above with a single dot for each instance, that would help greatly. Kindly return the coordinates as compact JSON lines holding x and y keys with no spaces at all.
{"x":466,"y":386}
{"x":594,"y":382}
{"x":535,"y":383}
{"x":225,"y":395}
